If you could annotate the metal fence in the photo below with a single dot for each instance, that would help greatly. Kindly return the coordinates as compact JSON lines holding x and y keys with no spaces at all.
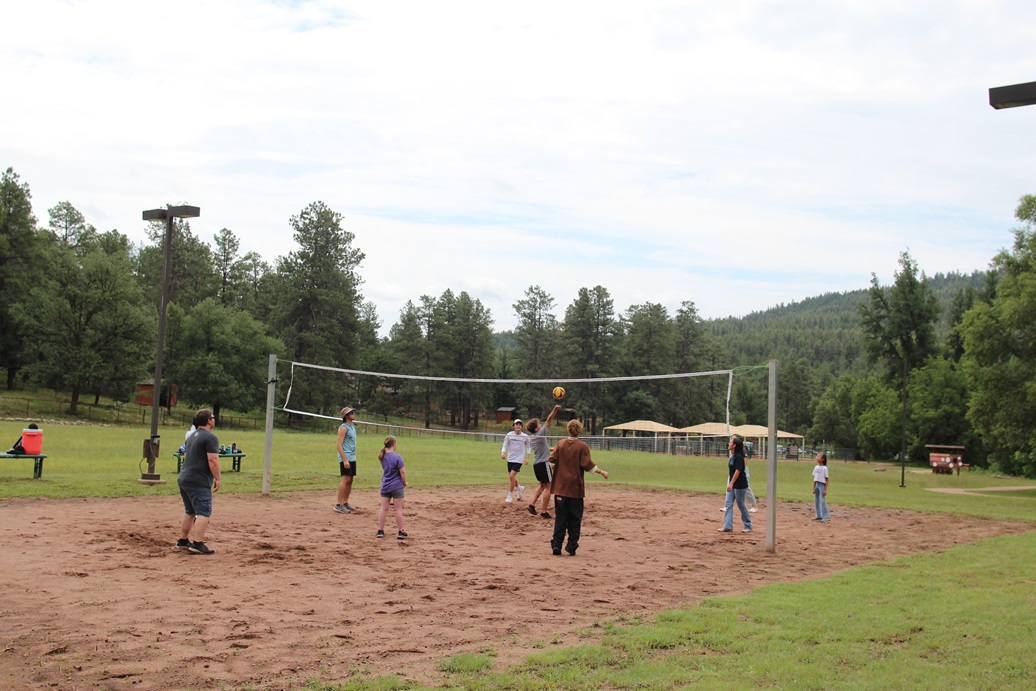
{"x":133,"y":413}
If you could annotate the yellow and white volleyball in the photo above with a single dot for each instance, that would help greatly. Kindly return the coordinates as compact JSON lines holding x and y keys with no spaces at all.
{"x":558,"y":393}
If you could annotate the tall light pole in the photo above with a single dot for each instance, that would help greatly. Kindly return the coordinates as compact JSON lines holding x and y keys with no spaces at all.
{"x":151,"y":444}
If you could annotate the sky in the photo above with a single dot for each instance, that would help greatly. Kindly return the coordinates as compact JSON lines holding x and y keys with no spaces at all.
{"x":736,"y":154}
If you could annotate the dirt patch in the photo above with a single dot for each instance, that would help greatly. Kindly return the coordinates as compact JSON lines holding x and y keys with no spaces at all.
{"x":93,"y":594}
{"x":978,"y":491}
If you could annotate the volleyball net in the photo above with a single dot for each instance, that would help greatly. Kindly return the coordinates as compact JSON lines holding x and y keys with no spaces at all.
{"x":619,"y":409}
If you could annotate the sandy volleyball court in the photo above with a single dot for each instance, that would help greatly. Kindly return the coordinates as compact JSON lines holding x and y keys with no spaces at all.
{"x":93,"y":594}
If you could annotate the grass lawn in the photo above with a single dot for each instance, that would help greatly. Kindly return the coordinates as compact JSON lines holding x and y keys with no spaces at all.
{"x":957,"y":619}
{"x":96,"y":461}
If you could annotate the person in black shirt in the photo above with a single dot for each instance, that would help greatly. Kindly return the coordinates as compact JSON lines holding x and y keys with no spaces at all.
{"x":737,"y":485}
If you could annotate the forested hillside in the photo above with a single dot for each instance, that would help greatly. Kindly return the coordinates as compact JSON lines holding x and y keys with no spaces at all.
{"x":825,"y":330}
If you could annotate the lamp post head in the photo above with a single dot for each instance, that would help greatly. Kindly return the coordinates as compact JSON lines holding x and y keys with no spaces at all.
{"x":1013,"y":96}
{"x":172,"y":212}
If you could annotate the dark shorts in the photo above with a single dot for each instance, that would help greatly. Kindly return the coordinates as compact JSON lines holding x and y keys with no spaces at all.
{"x":197,"y":501}
{"x":514,"y":467}
{"x":347,"y":472}
{"x":394,"y":494}
{"x":542,"y":471}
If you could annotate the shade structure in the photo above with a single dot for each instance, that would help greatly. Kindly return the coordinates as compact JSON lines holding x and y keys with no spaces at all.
{"x":708,"y":428}
{"x":649,"y":426}
{"x":663,"y":434}
{"x":757,"y":431}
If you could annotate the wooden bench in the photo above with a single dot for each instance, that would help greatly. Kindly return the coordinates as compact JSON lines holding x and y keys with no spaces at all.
{"x":37,"y":469}
{"x":235,"y":460}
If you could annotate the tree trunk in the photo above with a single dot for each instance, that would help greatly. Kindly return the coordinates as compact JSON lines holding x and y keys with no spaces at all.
{"x":73,"y":407}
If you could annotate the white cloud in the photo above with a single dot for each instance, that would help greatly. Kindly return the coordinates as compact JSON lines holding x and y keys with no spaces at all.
{"x":486,"y":148}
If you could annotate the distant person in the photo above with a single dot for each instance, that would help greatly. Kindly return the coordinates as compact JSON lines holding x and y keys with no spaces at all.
{"x":18,"y":448}
{"x":346,"y":459}
{"x":393,"y":484}
{"x":571,"y":459}
{"x":516,"y":451}
{"x":737,"y":484}
{"x":540,"y":466}
{"x":198,"y":479}
{"x":820,"y":482}
{"x":192,"y":430}
{"x":750,"y":499}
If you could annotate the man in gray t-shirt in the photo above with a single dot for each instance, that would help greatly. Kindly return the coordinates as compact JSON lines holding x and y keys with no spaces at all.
{"x":198,"y":479}
{"x":540,"y":454}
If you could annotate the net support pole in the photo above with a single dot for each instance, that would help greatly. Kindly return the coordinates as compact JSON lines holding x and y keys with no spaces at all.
{"x":771,"y":463}
{"x":271,"y":389}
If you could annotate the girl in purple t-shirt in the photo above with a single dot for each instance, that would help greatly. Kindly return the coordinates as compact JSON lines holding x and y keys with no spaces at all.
{"x":393,"y":480}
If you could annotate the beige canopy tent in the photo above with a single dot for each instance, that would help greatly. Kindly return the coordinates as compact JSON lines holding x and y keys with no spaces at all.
{"x":649,"y":426}
{"x":762,"y":434}
{"x":720,"y":429}
{"x":761,"y":431}
{"x":707,"y":428}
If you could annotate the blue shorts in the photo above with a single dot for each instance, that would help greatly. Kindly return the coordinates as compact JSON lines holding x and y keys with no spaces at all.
{"x":197,"y":501}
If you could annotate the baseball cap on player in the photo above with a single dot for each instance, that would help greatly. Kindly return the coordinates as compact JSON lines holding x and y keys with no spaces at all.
{"x":516,"y":421}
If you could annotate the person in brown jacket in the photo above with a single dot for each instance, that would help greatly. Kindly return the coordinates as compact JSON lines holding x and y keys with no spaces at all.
{"x":571,"y":459}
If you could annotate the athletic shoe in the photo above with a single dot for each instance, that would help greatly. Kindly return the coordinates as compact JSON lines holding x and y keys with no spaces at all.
{"x":521,"y":489}
{"x":571,"y":552}
{"x":200,"y":548}
{"x":508,"y":500}
{"x":826,"y":520}
{"x":348,"y":507}
{"x":544,"y":515}
{"x":342,"y":508}
{"x":381,"y":533}
{"x":556,"y":552}
{"x":725,"y":530}
{"x":532,"y":509}
{"x":817,"y":518}
{"x":752,"y":510}
{"x":746,"y":530}
{"x":401,"y":535}
{"x":183,"y":544}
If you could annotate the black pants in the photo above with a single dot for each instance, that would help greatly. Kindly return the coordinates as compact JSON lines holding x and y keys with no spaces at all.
{"x":568,"y":517}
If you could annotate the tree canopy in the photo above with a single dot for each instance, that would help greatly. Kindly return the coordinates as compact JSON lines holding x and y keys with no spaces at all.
{"x":957,"y":348}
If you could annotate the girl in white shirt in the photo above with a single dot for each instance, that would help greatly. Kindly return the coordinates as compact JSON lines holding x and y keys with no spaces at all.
{"x":820,"y":482}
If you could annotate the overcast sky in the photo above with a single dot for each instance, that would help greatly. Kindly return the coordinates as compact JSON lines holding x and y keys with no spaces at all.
{"x":736,"y":154}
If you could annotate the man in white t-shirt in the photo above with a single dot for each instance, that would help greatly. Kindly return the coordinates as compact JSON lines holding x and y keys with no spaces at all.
{"x":515,"y":451}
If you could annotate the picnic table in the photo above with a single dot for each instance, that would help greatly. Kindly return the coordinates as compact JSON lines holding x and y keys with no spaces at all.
{"x":37,"y":469}
{"x":235,"y":457}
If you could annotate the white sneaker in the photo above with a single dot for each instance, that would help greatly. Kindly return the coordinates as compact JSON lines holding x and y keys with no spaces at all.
{"x":508,"y":500}
{"x":752,"y":510}
{"x":521,"y":489}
